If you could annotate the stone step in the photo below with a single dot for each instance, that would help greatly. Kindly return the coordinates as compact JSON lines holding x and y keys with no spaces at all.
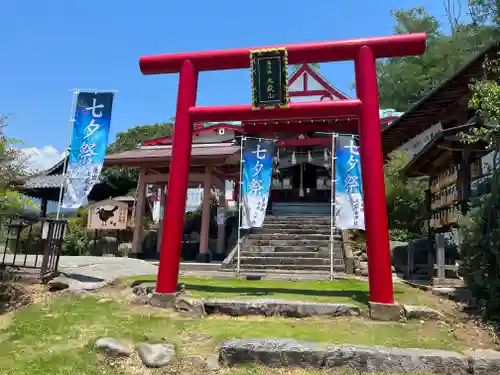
{"x":287,"y":225}
{"x":337,"y":249}
{"x":312,"y":230}
{"x":287,"y":242}
{"x":287,"y":236}
{"x":290,"y":219}
{"x":290,"y":268}
{"x":285,"y":254}
{"x":281,"y":261}
{"x":291,"y":274}
{"x":323,"y":251}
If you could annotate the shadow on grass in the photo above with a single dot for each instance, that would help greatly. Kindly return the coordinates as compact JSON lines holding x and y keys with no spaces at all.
{"x":360,"y":296}
{"x":356,"y":295}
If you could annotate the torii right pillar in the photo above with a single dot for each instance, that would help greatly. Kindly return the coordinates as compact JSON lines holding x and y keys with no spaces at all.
{"x":372,"y":171}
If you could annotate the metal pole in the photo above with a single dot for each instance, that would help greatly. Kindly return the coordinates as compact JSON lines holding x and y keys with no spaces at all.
{"x":332,"y":205}
{"x":68,"y":150}
{"x":238,"y":260}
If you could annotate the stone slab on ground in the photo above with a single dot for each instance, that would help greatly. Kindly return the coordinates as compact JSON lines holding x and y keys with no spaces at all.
{"x":113,"y":347}
{"x":422,"y":312}
{"x":89,"y":273}
{"x":292,"y":353}
{"x":272,"y":353}
{"x":484,"y":361}
{"x":278,"y":307}
{"x":156,"y":355}
{"x":362,"y":358}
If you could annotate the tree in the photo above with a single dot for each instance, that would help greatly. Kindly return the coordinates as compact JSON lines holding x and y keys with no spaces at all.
{"x":12,"y":172}
{"x":485,"y":11}
{"x":480,"y":228}
{"x":404,"y":81}
{"x":405,"y":199}
{"x":126,"y":178}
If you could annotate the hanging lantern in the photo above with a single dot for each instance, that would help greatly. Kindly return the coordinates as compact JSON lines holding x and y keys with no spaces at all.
{"x":294,"y":160}
{"x":309,"y":157}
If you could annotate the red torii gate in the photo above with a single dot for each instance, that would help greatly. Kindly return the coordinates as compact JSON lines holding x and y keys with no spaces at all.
{"x":365,"y":107}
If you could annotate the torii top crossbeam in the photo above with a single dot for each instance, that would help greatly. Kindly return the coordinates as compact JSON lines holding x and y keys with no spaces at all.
{"x":382,"y":47}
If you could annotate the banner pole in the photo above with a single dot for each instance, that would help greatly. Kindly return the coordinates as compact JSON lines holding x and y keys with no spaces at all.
{"x":238,"y":260}
{"x":68,"y":149}
{"x":332,"y":206}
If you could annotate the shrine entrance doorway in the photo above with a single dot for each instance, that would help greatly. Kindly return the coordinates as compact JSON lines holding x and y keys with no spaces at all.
{"x":359,"y":115}
{"x":302,"y":182}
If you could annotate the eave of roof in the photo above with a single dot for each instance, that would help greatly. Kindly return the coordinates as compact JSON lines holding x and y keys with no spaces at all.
{"x":161,"y":155}
{"x":413,"y":122}
{"x":434,"y":157}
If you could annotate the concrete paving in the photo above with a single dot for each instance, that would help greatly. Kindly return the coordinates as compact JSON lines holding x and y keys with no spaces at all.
{"x":88,"y":272}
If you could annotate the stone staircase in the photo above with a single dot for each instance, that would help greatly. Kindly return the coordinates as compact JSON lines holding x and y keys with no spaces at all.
{"x":292,"y":244}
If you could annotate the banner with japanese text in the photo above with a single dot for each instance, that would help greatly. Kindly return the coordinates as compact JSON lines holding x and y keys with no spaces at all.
{"x":89,"y":140}
{"x":349,"y":212}
{"x":256,"y":181}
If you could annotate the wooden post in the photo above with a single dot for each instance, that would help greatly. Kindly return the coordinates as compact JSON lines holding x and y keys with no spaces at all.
{"x":440,"y":256}
{"x":221,"y":226}
{"x":204,"y":255}
{"x":43,"y":207}
{"x":411,"y":260}
{"x":465,"y":180}
{"x":162,"y":189}
{"x":140,"y":205}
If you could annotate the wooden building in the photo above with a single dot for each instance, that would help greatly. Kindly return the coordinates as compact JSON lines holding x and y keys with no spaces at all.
{"x":432,"y":130}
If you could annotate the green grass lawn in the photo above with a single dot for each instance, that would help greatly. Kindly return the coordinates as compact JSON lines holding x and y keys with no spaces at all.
{"x":54,"y":335}
{"x":337,"y":291}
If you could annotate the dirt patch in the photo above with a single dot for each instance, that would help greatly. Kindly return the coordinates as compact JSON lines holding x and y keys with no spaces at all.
{"x":15,"y":295}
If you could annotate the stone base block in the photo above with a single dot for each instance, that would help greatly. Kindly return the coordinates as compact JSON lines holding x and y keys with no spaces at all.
{"x":219,"y":257}
{"x":385,"y":312}
{"x":163,"y":300}
{"x":203,"y":257}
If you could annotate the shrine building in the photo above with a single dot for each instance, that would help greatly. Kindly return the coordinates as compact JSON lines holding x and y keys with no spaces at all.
{"x":302,"y":182}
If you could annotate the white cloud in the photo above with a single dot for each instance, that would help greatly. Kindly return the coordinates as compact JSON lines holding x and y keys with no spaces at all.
{"x":39,"y":159}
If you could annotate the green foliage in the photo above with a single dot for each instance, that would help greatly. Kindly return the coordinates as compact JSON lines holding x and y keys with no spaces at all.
{"x":30,"y":238}
{"x":404,"y":81}
{"x":126,"y":178}
{"x":480,"y":228}
{"x":77,"y":239}
{"x":405,"y":200}
{"x":485,"y":11}
{"x":12,"y":172}
{"x":479,"y":251}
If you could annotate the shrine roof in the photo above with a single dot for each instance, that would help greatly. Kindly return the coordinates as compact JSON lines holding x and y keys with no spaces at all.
{"x":199,"y":128}
{"x":161,"y":155}
{"x":428,"y":110}
{"x":46,"y":184}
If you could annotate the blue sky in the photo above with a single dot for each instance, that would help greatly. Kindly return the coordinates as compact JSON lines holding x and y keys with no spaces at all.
{"x":52,"y":46}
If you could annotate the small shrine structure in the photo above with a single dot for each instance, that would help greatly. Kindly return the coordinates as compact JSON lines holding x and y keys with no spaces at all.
{"x":46,"y":186}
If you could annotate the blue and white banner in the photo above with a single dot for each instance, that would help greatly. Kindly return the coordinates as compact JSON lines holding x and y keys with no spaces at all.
{"x":257,"y":172}
{"x":349,"y":212}
{"x":88,"y":146}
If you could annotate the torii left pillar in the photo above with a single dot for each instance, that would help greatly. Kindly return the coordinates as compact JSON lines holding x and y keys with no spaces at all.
{"x":177,"y":186}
